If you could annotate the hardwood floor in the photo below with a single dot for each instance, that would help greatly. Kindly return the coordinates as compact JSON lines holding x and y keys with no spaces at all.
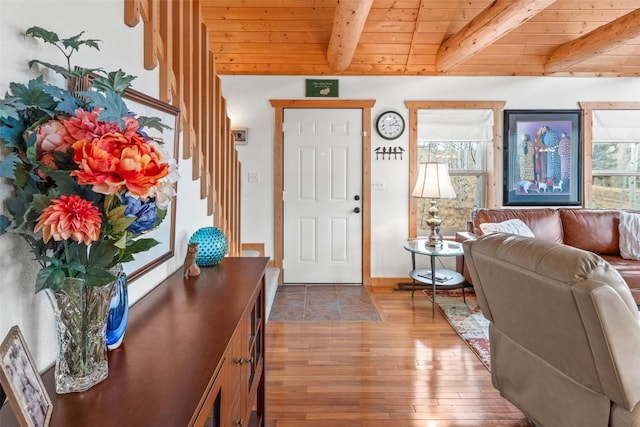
{"x":405,"y":370}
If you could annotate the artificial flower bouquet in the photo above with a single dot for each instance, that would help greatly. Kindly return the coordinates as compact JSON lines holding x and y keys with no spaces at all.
{"x":87,"y":180}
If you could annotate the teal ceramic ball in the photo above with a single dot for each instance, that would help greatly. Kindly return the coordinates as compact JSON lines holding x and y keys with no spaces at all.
{"x":212,"y":246}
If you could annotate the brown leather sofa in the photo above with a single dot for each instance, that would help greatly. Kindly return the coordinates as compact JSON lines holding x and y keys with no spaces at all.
{"x":593,"y":230}
{"x":564,"y":331}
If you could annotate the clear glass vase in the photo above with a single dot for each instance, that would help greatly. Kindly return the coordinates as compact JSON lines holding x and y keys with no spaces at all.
{"x":81,"y":318}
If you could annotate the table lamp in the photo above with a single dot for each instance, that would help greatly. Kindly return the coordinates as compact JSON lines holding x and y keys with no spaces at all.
{"x":433,"y":183}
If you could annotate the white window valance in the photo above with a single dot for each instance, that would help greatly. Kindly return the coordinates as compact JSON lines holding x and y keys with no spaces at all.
{"x":455,"y":125}
{"x":616,"y":126}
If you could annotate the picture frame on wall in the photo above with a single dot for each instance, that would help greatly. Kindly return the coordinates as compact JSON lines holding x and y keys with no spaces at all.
{"x":542,"y":152}
{"x":145,"y":105}
{"x":240,"y":136}
{"x":22,"y":383}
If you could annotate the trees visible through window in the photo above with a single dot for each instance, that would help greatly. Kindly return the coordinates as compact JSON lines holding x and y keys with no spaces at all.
{"x":466,"y":160}
{"x":615,"y":175}
{"x":615,"y":149}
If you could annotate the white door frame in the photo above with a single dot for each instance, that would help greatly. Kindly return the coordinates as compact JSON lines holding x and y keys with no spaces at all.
{"x":278,"y":171}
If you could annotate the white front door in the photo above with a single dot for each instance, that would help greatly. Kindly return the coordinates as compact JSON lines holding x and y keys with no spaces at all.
{"x":322,"y":234}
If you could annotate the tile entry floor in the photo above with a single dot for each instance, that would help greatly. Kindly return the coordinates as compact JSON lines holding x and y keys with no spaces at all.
{"x":322,"y":303}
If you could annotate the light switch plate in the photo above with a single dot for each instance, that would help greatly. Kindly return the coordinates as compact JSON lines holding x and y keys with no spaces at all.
{"x":254,"y":177}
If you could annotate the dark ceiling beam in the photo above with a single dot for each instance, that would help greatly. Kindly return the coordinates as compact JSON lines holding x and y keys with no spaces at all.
{"x":348,"y":23}
{"x":498,"y":19}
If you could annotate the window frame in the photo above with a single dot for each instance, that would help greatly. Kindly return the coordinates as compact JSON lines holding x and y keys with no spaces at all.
{"x":587,"y":141}
{"x":493,"y":165}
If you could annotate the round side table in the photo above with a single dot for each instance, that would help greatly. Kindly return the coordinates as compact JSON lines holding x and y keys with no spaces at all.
{"x":437,"y":278}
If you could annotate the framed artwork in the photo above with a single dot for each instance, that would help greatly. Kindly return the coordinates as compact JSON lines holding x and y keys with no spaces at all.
{"x":240,"y":136}
{"x":145,"y":105}
{"x":22,"y":383}
{"x":542,"y":152}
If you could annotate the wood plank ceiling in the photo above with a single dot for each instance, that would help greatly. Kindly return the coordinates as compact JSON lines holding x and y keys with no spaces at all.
{"x":425,"y":37}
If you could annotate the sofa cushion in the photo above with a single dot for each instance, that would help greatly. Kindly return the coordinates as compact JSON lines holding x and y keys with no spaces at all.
{"x":593,"y":230}
{"x":629,"y":230}
{"x":630,"y":272}
{"x":544,"y":223}
{"x":511,"y":226}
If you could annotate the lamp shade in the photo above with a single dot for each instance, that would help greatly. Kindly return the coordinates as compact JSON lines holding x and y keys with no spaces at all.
{"x":433,"y":182}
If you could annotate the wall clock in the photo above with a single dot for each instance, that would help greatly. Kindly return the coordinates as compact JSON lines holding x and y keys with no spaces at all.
{"x":390,"y":125}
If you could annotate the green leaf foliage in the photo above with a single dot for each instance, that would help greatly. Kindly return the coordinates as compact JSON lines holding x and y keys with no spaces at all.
{"x":160,"y":216}
{"x":45,"y":35}
{"x":5,"y":222}
{"x":121,"y":243}
{"x":76,"y":255}
{"x":116,"y":81}
{"x":58,"y":69}
{"x":67,"y":103}
{"x":120,"y":225}
{"x":102,"y":253}
{"x":18,"y":207}
{"x":141,"y":245}
{"x":22,"y":174}
{"x":114,"y":108}
{"x":7,"y":166}
{"x":30,"y":143}
{"x":39,"y":203}
{"x":34,"y":97}
{"x":97,"y":276}
{"x":66,"y":183}
{"x":11,"y":132}
{"x":152,"y":123}
{"x":80,"y":72}
{"x":64,"y":160}
{"x":9,"y":109}
{"x":75,"y":42}
{"x":49,"y":278}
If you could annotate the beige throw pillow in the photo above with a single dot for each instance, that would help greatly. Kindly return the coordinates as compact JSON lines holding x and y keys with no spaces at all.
{"x":512,"y":226}
{"x":629,"y":230}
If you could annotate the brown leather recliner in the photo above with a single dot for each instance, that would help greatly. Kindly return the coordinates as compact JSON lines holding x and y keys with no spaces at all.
{"x":564,"y":331}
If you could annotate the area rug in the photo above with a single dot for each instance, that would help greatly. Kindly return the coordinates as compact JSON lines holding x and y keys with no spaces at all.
{"x":466,"y":319}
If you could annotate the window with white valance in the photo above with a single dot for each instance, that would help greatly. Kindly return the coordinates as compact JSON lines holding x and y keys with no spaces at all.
{"x":616,"y":126}
{"x":458,"y":137}
{"x":455,"y":125}
{"x":615,"y":153}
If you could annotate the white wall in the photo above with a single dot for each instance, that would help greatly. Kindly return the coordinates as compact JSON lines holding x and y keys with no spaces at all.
{"x":121,"y":47}
{"x":248,"y":105}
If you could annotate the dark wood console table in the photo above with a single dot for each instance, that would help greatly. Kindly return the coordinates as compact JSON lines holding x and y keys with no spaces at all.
{"x":193,"y":355}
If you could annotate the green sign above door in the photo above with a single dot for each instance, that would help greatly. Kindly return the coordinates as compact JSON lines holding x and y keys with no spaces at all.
{"x":321,"y":88}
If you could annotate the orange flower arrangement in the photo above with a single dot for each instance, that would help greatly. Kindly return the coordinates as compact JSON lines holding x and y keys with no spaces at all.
{"x":70,"y":217}
{"x":113,"y":160}
{"x":87,"y":180}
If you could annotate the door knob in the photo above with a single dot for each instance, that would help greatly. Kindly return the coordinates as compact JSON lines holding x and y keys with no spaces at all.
{"x":356,"y":210}
{"x":356,"y":197}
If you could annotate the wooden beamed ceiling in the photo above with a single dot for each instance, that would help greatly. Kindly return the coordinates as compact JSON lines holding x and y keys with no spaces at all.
{"x":425,"y":37}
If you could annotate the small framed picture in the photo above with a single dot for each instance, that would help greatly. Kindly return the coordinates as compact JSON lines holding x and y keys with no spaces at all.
{"x":23,"y":385}
{"x":240,"y":136}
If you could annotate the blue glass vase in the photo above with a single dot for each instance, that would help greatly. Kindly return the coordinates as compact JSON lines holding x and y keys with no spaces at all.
{"x":118,"y":310}
{"x":212,"y":246}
